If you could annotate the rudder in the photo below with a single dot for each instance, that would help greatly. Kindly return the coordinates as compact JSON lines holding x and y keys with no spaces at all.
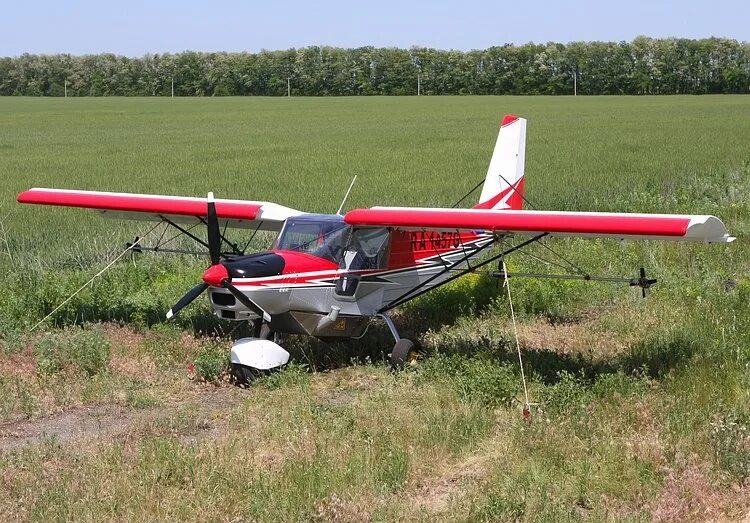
{"x":503,"y":187}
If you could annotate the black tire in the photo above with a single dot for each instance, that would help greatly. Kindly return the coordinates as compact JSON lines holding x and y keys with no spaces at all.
{"x":405,"y":354}
{"x":242,"y":375}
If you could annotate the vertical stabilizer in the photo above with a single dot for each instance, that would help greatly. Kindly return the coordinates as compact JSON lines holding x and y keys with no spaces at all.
{"x":503,"y":186}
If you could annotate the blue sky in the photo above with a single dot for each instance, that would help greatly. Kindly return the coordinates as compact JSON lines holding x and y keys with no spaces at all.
{"x":136,"y":27}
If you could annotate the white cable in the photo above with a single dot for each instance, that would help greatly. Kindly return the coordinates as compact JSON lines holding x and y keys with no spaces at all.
{"x":515,"y":333}
{"x":110,"y":264}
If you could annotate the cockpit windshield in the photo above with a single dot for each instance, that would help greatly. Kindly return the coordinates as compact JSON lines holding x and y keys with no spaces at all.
{"x":322,"y":237}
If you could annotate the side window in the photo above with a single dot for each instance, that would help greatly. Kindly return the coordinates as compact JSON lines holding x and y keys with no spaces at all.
{"x":366,"y":249}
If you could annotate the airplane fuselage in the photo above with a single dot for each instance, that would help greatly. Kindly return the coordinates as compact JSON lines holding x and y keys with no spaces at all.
{"x":326,"y":278}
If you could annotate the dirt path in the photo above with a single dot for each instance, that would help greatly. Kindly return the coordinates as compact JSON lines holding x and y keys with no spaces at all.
{"x":109,"y":420}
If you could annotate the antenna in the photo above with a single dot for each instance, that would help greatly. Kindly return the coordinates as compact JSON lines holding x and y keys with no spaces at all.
{"x":346,"y":195}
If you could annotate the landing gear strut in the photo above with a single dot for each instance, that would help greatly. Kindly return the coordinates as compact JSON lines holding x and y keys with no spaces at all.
{"x":405,"y":353}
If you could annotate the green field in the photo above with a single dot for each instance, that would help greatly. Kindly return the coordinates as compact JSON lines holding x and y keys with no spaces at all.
{"x":643,"y":405}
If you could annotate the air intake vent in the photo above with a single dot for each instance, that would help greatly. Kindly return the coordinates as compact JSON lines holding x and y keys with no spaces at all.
{"x":223,"y":298}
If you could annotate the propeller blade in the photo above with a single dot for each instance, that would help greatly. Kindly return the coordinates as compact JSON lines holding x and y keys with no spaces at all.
{"x":214,"y":235}
{"x":247,"y":302}
{"x":185,"y":300}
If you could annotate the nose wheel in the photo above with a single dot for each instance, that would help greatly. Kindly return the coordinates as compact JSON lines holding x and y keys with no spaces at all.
{"x":258,"y":355}
{"x":242,"y":375}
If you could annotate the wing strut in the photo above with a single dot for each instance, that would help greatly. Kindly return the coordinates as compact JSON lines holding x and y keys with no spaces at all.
{"x":419,"y":289}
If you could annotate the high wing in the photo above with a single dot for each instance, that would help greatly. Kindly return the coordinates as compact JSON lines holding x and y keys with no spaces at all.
{"x":674,"y":227}
{"x":151,"y":207}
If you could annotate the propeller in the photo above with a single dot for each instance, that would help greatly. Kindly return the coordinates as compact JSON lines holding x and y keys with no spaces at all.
{"x":247,"y":302}
{"x":187,"y":299}
{"x":642,"y":282}
{"x":217,"y":274}
{"x":214,"y":235}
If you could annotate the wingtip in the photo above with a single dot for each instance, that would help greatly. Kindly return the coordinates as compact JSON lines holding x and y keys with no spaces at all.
{"x":25,"y":196}
{"x":170,"y":314}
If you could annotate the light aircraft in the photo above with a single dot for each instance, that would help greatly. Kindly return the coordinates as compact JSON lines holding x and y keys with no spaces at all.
{"x":329,"y":275}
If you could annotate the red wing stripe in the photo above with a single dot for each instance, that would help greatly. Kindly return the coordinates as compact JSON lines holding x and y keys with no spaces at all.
{"x":173,"y":205}
{"x":525,"y":221}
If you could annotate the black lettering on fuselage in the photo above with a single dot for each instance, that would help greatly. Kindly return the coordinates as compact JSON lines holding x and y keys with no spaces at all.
{"x":433,"y":240}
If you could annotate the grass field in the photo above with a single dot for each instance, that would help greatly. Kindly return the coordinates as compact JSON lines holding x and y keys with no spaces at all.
{"x":643,"y":407}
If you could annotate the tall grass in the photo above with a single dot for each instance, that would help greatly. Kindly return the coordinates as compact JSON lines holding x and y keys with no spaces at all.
{"x":642,"y":404}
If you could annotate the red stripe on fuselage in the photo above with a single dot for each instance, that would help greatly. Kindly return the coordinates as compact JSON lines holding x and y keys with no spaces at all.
{"x":301,"y":262}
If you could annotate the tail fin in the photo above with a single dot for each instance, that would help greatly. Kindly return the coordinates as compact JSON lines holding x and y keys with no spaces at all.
{"x":503,"y":187}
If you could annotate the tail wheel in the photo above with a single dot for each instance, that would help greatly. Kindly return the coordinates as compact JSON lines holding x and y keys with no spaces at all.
{"x":405,"y":354}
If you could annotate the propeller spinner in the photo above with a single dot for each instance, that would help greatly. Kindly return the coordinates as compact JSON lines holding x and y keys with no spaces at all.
{"x":217,"y":274}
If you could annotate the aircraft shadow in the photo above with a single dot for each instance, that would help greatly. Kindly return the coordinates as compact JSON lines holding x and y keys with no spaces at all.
{"x":653,"y":357}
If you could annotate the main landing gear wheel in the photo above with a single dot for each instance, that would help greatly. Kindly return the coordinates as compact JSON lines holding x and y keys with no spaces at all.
{"x":405,"y":354}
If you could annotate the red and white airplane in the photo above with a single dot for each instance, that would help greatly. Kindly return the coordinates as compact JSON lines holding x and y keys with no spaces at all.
{"x":330,"y":275}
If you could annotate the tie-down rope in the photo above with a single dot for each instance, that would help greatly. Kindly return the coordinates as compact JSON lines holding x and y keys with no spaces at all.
{"x":110,"y":264}
{"x":527,"y":404}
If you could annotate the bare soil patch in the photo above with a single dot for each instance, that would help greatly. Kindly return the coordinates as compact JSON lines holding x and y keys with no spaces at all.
{"x":110,"y":420}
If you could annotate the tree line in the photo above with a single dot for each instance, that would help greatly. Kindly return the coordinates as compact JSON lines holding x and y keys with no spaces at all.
{"x":643,"y":66}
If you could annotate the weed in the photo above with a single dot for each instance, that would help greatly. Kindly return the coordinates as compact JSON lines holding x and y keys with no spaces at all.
{"x":164,"y":463}
{"x":468,"y":295}
{"x":731,"y":439}
{"x":500,"y":508}
{"x":84,"y":349}
{"x":292,"y":375}
{"x":26,"y":397}
{"x":610,"y":385}
{"x":390,"y":465}
{"x":659,"y":354}
{"x":458,"y":429}
{"x":164,"y":344}
{"x":568,"y":395}
{"x":141,"y":400}
{"x":211,"y":363}
{"x":477,"y":378}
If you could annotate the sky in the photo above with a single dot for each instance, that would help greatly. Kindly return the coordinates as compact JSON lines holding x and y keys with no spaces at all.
{"x":137,"y":27}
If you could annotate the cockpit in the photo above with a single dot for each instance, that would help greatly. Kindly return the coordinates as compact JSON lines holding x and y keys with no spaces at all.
{"x":330,"y":238}
{"x":319,"y":235}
